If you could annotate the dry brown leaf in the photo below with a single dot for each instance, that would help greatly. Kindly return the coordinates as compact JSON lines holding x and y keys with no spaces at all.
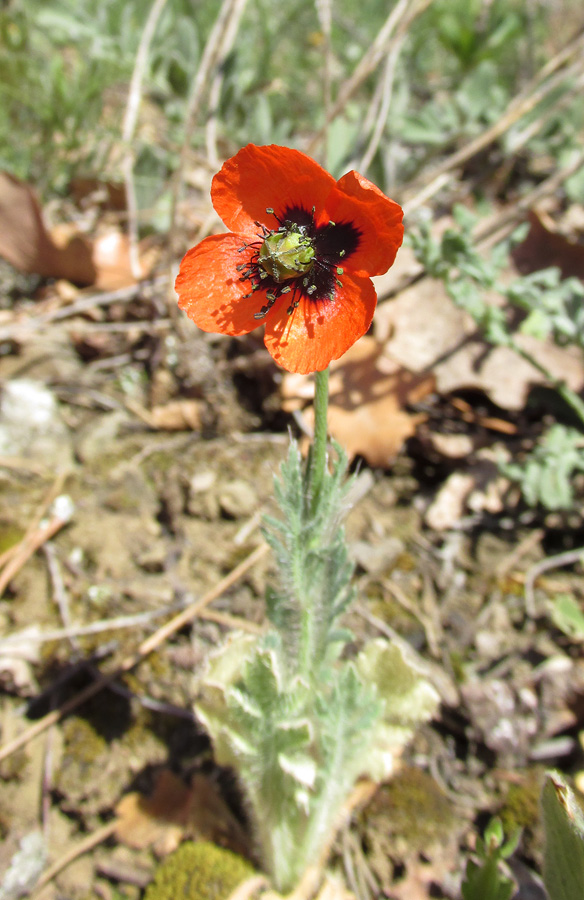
{"x":368,"y":395}
{"x":93,"y":192}
{"x":544,"y":247}
{"x":62,"y":253}
{"x":176,"y":810}
{"x":26,"y":243}
{"x":158,"y":820}
{"x":177,"y":415}
{"x":448,"y":506}
{"x":111,"y":256}
{"x":428,"y":333}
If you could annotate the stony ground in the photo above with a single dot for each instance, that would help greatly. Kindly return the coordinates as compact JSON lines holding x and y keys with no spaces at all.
{"x":166,"y":446}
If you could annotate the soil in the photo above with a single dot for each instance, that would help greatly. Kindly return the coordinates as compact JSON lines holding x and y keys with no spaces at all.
{"x":158,"y":519}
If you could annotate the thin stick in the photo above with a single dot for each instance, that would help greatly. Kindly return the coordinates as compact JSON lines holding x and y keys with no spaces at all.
{"x":60,"y":634}
{"x":13,"y":560}
{"x":216,"y":43}
{"x":324,"y":13}
{"x":88,"y":843}
{"x":403,"y":13}
{"x":429,"y":183}
{"x":129,"y":130}
{"x":387,"y":91}
{"x":85,"y":304}
{"x":146,"y":647}
{"x":568,"y":558}
{"x":215,"y":92}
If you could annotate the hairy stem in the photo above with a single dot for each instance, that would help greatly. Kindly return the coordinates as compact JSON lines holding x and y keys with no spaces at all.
{"x":318,"y":459}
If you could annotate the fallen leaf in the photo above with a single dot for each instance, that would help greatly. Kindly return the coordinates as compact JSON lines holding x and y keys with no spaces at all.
{"x":93,"y":192}
{"x":177,"y":415}
{"x":448,"y":506}
{"x":63,"y":253}
{"x":369,"y":393}
{"x":28,"y":246}
{"x":111,"y":257}
{"x":158,"y":820}
{"x":176,"y":810}
{"x":544,"y":247}
{"x":428,"y":333}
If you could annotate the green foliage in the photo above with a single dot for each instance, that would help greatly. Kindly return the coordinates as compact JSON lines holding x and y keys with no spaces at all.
{"x":198,"y":871}
{"x":298,"y":725}
{"x":550,"y":307}
{"x":313,"y":564}
{"x":563,"y":818}
{"x":65,"y":67}
{"x":567,"y":615}
{"x":553,"y":305}
{"x":415,"y":810}
{"x":483,"y":879}
{"x":546,"y":475}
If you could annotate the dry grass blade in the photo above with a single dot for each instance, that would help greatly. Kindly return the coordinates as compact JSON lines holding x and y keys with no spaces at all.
{"x":496,"y":228}
{"x":325,"y":18}
{"x":218,"y":45}
{"x":215,"y":91}
{"x":385,"y":102}
{"x":547,"y":80}
{"x":37,"y":533}
{"x":155,"y":640}
{"x":92,"y":840}
{"x":129,"y":129}
{"x":403,"y":13}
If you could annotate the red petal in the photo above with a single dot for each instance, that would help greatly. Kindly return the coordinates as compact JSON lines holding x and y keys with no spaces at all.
{"x":358,"y":201}
{"x":209,"y":288}
{"x":273,"y":177}
{"x":319,"y":331}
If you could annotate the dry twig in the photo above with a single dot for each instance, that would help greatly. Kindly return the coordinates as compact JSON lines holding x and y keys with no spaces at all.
{"x":146,"y":647}
{"x":402,"y":14}
{"x":217,"y":47}
{"x":129,"y":130}
{"x":568,"y":558}
{"x":548,"y":78}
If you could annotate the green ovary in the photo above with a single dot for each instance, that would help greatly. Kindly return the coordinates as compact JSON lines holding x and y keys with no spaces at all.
{"x":286,"y":255}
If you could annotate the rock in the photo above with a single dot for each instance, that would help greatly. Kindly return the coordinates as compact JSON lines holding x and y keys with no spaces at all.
{"x":96,"y":439}
{"x":377,"y":558}
{"x":238,"y":499}
{"x":31,"y":426}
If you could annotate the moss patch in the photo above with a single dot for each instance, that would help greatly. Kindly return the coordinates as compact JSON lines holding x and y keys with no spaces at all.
{"x":198,"y":871}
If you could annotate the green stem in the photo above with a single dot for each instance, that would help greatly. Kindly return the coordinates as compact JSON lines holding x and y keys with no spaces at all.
{"x":319,"y":455}
{"x":315,"y":475}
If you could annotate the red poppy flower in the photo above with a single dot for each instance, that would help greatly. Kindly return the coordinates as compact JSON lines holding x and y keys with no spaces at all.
{"x":298,"y":256}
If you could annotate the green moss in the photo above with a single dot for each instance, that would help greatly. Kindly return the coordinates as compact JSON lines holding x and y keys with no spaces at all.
{"x":393,"y":613}
{"x":82,"y":742}
{"x":458,"y":667}
{"x":413,"y":810}
{"x":521,"y":807}
{"x":10,"y":535}
{"x":198,"y":871}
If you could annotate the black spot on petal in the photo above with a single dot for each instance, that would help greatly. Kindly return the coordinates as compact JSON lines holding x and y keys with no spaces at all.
{"x":336,"y":243}
{"x":302,"y":217}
